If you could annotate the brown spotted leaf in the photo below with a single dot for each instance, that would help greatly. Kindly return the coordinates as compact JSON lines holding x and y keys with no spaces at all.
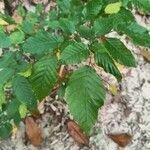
{"x":121,"y":139}
{"x":33,"y":131}
{"x":77,"y":133}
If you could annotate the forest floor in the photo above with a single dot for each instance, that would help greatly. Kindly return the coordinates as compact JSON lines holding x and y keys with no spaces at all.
{"x":127,"y":112}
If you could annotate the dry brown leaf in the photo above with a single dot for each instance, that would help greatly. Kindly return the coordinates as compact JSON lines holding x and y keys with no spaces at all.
{"x":102,"y":39}
{"x":145,"y":54}
{"x":10,"y":28}
{"x":121,"y":139}
{"x":62,"y":73}
{"x":76,"y":132}
{"x":36,"y":114}
{"x":33,"y":131}
{"x":16,"y":17}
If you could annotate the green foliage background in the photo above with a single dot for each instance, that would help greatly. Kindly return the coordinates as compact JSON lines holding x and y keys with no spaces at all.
{"x":34,"y":52}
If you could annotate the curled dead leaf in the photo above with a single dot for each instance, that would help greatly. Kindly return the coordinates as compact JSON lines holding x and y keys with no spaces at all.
{"x":121,"y":139}
{"x":62,"y":73}
{"x":77,"y":133}
{"x":33,"y":131}
{"x":145,"y":54}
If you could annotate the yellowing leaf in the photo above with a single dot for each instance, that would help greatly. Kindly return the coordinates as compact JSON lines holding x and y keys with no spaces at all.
{"x":119,"y":66}
{"x":3,"y":22}
{"x":14,"y":130}
{"x":113,"y":8}
{"x":23,"y":110}
{"x":113,"y":89}
{"x":58,"y":54}
{"x":26,"y":73}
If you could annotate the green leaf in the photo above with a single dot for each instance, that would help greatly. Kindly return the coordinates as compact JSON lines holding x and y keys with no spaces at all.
{"x":84,"y":95}
{"x":138,"y":34}
{"x":125,"y":2}
{"x":23,"y":91}
{"x":86,"y":32}
{"x":75,"y":53}
{"x":4,"y":40}
{"x":42,"y":42}
{"x":39,"y":8}
{"x":7,"y":18}
{"x":142,"y":4}
{"x":124,"y":17}
{"x":102,"y":26}
{"x":103,"y":59}
{"x":54,"y":25}
{"x":64,"y":6}
{"x":21,"y":11}
{"x":61,"y":91}
{"x":17,"y":37}
{"x":7,"y":60}
{"x":28,"y":27}
{"x":44,"y":76}
{"x":53,"y":15}
{"x":67,"y":25}
{"x":5,"y":75}
{"x":119,"y":52}
{"x":113,"y":8}
{"x":93,"y":7}
{"x":2,"y":96}
{"x":5,"y":130}
{"x":11,"y":112}
{"x":32,"y":17}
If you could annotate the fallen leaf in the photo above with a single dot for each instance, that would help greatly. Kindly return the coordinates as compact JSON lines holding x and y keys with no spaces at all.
{"x":16,"y":17}
{"x":62,"y":73}
{"x":33,"y":131}
{"x":113,"y":89}
{"x":3,"y":22}
{"x":14,"y":130}
{"x":121,"y":139}
{"x":145,"y":54}
{"x":76,"y":132}
{"x":10,"y":28}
